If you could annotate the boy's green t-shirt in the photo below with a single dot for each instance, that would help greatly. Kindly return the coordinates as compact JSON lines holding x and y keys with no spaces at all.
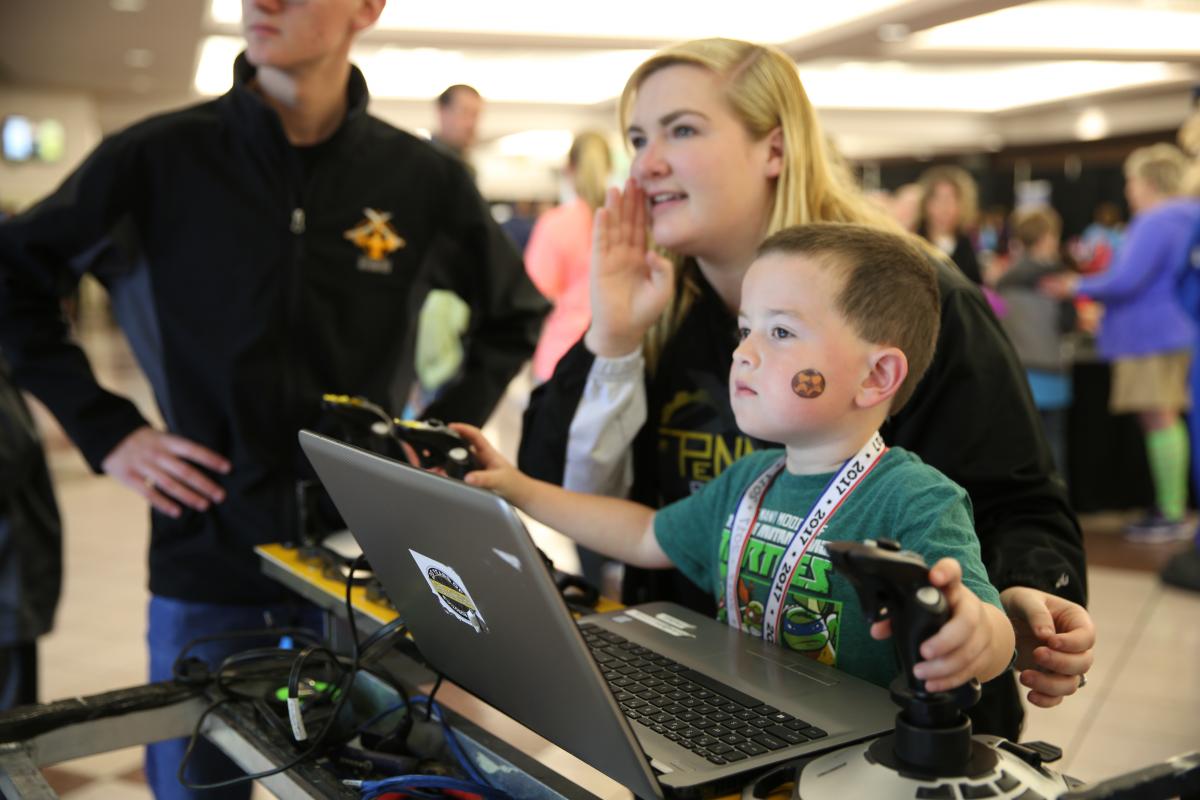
{"x":902,"y":498}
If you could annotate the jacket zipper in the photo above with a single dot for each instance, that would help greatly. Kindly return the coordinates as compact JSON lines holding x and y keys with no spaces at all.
{"x":291,"y":281}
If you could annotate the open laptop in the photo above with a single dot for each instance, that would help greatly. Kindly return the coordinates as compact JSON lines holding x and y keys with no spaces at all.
{"x":633,"y":693}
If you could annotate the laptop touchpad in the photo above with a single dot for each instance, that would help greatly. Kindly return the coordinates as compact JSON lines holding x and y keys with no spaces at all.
{"x":794,"y":666}
{"x":768,"y":674}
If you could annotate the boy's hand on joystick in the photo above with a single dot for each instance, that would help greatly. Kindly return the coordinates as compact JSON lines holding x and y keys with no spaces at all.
{"x":959,"y":651}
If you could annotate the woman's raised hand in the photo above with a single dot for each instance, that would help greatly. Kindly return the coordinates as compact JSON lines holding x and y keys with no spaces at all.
{"x":630,"y":283}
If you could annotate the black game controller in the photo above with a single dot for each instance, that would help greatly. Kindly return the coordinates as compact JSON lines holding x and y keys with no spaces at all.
{"x":893,"y":584}
{"x":932,"y":728}
{"x":435,"y":445}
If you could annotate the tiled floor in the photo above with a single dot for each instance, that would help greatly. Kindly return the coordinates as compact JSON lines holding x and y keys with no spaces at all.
{"x":1142,"y":702}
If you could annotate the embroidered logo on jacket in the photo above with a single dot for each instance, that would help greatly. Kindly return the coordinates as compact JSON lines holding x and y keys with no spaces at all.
{"x":376,"y":237}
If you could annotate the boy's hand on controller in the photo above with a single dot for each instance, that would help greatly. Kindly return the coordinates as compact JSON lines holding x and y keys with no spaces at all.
{"x":959,"y":651}
{"x":497,"y":473}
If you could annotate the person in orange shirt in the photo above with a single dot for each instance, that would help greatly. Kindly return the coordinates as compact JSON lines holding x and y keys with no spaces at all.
{"x":560,"y":249}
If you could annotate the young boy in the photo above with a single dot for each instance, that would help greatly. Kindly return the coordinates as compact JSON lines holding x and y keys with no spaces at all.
{"x":1037,"y":323}
{"x":837,"y":324}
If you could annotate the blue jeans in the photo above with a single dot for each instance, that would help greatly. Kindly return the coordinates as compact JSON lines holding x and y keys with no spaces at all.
{"x":172,"y":624}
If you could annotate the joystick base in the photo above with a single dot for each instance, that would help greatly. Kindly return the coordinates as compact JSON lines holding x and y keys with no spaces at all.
{"x":860,"y":771}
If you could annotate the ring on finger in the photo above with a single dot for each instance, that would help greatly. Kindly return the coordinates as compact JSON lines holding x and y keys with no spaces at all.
{"x":1082,"y":681}
{"x":148,"y":482}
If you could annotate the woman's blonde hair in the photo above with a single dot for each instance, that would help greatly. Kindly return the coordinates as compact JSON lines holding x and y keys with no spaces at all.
{"x":762,"y":88}
{"x":591,"y":163}
{"x":1160,"y":165}
{"x":964,"y":187}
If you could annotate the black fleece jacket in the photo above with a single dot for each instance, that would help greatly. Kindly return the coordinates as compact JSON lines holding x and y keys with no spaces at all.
{"x":233,"y":269}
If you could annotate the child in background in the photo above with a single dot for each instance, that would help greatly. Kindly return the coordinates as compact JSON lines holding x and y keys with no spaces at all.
{"x":1037,"y":323}
{"x":560,"y":250}
{"x":1100,"y":240}
{"x":838,"y":322}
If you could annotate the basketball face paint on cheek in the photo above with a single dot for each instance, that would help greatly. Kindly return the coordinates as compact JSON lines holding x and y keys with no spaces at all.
{"x":808,"y":384}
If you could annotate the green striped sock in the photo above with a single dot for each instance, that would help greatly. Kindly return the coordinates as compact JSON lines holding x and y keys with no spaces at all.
{"x":1168,"y":453}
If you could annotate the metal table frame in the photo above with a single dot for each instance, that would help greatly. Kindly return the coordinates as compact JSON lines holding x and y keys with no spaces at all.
{"x":253,"y":748}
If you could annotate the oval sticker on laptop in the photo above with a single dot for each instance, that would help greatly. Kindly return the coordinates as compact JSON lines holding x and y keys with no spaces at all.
{"x":450,"y":591}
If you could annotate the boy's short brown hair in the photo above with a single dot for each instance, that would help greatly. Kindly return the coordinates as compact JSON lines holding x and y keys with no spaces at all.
{"x":1031,"y":224}
{"x":890,"y":291}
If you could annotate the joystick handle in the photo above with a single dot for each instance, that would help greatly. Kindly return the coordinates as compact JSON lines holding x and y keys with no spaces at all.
{"x":893,"y":584}
{"x":933,"y":735}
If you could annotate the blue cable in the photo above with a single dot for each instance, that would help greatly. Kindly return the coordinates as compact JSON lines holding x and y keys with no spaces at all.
{"x":408,"y":783}
{"x":414,"y":785}
{"x":452,"y":743}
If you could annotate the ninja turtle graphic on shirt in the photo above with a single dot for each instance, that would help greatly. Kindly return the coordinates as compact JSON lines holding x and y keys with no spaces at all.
{"x":810,"y":622}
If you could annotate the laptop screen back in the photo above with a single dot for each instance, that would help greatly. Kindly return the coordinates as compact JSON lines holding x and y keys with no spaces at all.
{"x":482,"y":607}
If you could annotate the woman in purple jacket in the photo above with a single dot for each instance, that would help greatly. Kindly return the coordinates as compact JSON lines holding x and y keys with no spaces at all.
{"x":1146,"y":333}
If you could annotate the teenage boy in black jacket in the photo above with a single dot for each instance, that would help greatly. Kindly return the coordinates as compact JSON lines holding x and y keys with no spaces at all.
{"x":260,"y":249}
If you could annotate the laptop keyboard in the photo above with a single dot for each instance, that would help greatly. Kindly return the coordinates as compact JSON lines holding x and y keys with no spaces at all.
{"x":705,"y":716}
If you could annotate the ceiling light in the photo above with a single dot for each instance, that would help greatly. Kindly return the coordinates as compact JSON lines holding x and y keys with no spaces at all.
{"x":1091,"y":125}
{"x":980,"y":88}
{"x":565,"y":77}
{"x":660,"y":21}
{"x":1108,"y":28}
{"x":226,"y":12}
{"x":214,"y":68}
{"x":127,"y":6}
{"x":588,"y":77}
{"x":544,"y":145}
{"x":570,"y":77}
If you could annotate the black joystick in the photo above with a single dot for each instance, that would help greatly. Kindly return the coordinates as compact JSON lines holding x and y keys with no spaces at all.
{"x":894,"y":584}
{"x":932,"y":752}
{"x":435,"y":444}
{"x":933,"y":732}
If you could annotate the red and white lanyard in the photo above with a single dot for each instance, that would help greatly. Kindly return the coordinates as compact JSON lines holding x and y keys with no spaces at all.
{"x":804,"y":533}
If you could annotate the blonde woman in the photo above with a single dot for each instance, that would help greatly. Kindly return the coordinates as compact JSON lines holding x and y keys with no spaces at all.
{"x":949,"y":207}
{"x":560,"y":249}
{"x":727,"y":150}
